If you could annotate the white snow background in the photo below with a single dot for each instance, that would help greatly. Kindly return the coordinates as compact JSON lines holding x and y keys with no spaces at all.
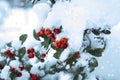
{"x":14,"y":22}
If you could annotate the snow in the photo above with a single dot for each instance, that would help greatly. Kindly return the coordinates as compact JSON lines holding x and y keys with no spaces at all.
{"x":5,"y":72}
{"x":19,"y":21}
{"x":109,"y":63}
{"x":15,"y":64}
{"x":25,"y":76}
{"x":16,"y":45}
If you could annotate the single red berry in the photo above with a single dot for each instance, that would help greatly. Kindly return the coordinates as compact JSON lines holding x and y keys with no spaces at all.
{"x":64,"y":45}
{"x":12,"y":69}
{"x":10,"y":55}
{"x":53,"y":39}
{"x":28,"y":51}
{"x":31,"y":55}
{"x":56,"y":31}
{"x":40,"y":33}
{"x":77,"y":54}
{"x":48,"y":31}
{"x":21,"y":68}
{"x":57,"y":44}
{"x":63,"y":40}
{"x":7,"y":52}
{"x":50,"y":35}
{"x":43,"y":56}
{"x":31,"y":50}
{"x":34,"y":77}
{"x":19,"y":74}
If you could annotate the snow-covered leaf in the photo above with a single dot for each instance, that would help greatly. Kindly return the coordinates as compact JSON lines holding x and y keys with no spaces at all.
{"x":93,"y":62}
{"x":22,"y":51}
{"x":9,"y":44}
{"x":22,"y":38}
{"x":35,"y":35}
{"x":76,"y":77}
{"x":58,"y":53}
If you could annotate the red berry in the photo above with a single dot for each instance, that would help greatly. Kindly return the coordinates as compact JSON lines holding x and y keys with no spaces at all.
{"x":40,"y":33}
{"x":43,"y":56}
{"x":31,"y":55}
{"x":48,"y":31}
{"x":7,"y":52}
{"x":31,"y":50}
{"x":57,"y":44}
{"x":77,"y":54}
{"x":12,"y":69}
{"x":10,"y":55}
{"x":50,"y":35}
{"x":34,"y":77}
{"x":21,"y":68}
{"x":56,"y":31}
{"x":64,"y":40}
{"x":19,"y":74}
{"x":28,"y":51}
{"x":64,"y":45}
{"x":53,"y":39}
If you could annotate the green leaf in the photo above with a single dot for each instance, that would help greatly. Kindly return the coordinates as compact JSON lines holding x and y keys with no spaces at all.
{"x":58,"y":53}
{"x":71,"y":59}
{"x":28,"y":67}
{"x":93,"y":62}
{"x":46,"y":42}
{"x":35,"y":35}
{"x":21,"y":51}
{"x":96,"y":52}
{"x":22,"y":38}
{"x":61,"y":28}
{"x":37,"y":54}
{"x":76,"y":77}
{"x":9,"y":44}
{"x":13,"y":75}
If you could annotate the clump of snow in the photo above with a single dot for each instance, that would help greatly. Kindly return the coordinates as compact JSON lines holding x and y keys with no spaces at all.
{"x":15,"y":64}
{"x":17,"y":22}
{"x":25,"y":75}
{"x":41,"y":10}
{"x":2,"y":58}
{"x":5,"y":73}
{"x":65,"y":14}
{"x":2,"y":44}
{"x":109,"y":63}
{"x":35,"y":69}
{"x":65,"y":76}
{"x":16,"y":45}
{"x":65,"y":54}
{"x":4,"y":10}
{"x":33,"y":61}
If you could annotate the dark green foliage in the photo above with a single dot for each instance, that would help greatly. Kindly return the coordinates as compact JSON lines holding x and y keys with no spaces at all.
{"x":93,"y":62}
{"x":21,"y":52}
{"x":35,"y":35}
{"x":22,"y":38}
{"x":96,"y":52}
{"x":58,"y":53}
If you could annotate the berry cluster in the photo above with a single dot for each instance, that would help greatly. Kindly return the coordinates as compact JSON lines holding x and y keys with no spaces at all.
{"x":62,"y":43}
{"x":49,"y":33}
{"x":9,"y":54}
{"x":30,"y":52}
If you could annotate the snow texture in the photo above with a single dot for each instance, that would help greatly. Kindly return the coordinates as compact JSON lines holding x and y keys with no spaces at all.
{"x":19,"y":21}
